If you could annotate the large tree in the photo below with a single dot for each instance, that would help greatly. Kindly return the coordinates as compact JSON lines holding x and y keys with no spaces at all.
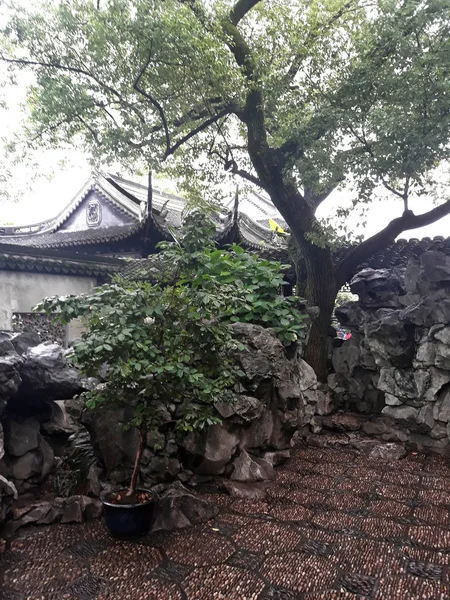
{"x":296,"y":97}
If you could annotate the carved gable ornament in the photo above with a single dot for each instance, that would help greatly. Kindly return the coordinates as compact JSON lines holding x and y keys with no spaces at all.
{"x":93,"y":213}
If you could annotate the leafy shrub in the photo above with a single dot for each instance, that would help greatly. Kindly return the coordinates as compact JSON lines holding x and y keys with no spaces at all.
{"x":256,"y":282}
{"x":169,"y":341}
{"x":79,"y":457}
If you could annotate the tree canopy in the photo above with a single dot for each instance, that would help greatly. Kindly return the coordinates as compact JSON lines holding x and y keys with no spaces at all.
{"x":296,"y":97}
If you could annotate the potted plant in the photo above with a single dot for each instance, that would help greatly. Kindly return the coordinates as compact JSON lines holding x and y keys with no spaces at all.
{"x":167,"y":340}
{"x":162,"y":342}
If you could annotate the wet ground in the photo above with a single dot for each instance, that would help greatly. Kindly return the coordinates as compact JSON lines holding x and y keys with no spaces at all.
{"x":335,"y":526}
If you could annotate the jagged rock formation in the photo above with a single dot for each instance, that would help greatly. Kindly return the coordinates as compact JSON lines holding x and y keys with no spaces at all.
{"x":396,"y":366}
{"x":278,"y":396}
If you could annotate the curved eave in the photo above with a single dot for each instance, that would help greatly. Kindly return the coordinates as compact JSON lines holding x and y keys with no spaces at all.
{"x":96,"y":183}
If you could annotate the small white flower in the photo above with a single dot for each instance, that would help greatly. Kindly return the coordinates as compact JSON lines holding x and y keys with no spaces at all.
{"x":149,"y":320}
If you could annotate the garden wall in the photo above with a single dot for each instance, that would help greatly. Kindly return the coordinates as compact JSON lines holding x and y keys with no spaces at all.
{"x":395,"y":369}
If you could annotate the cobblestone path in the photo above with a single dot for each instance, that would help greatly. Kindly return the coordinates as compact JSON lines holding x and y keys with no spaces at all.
{"x":335,"y":526}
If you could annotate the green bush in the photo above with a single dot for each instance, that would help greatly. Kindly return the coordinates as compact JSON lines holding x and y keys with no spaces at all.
{"x":169,"y":341}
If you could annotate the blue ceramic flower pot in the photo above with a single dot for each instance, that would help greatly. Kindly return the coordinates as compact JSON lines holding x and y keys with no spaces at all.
{"x":129,"y":521}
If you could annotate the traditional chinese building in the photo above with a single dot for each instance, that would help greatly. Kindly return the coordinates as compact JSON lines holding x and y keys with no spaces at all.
{"x":110,"y":226}
{"x":112,"y":216}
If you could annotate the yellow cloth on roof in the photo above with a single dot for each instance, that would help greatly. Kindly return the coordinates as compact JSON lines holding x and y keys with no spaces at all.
{"x":275,"y":227}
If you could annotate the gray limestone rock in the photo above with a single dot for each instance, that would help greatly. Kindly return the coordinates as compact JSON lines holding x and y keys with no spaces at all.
{"x":247,"y":468}
{"x":26,"y":466}
{"x":434,"y":271}
{"x":60,"y":422}
{"x":24,"y":340}
{"x":324,"y":403}
{"x":353,"y":316}
{"x":161,"y":468}
{"x":2,"y":442}
{"x":9,"y":377}
{"x":403,"y":414}
{"x":92,"y":508}
{"x":342,"y":422}
{"x":392,"y":400}
{"x":178,"y":508}
{"x":93,"y":482}
{"x":46,"y":376}
{"x":443,"y":335}
{"x":48,"y":458}
{"x":73,"y":510}
{"x":400,"y":383}
{"x":442,"y":408}
{"x":211,"y":452}
{"x":378,"y":287}
{"x":386,"y":428}
{"x":21,"y":437}
{"x":306,"y":376}
{"x":391,"y":341}
{"x":388,"y":452}
{"x":346,"y":358}
{"x":427,"y":312}
{"x":6,"y":346}
{"x":316,"y":424}
{"x":277,"y":457}
{"x":425,"y":418}
{"x":260,"y":432}
{"x":438,"y":379}
{"x":244,"y":409}
{"x":288,"y":395}
{"x":438,"y":432}
{"x":249,"y":491}
{"x":116,"y":445}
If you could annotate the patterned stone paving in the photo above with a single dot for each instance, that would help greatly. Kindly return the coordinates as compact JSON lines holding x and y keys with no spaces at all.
{"x":335,"y":526}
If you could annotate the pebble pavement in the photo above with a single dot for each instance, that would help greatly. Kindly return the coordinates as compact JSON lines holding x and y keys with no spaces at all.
{"x":335,"y":526}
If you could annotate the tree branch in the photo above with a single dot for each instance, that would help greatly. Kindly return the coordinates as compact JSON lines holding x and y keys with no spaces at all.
{"x":232,"y":167}
{"x":245,"y":175}
{"x":311,"y":37}
{"x":253,"y":114}
{"x":240,"y":9}
{"x":315,"y":200}
{"x":77,"y":70}
{"x":151,"y":99}
{"x":196,"y":114}
{"x":347,"y":266}
{"x":93,"y":133}
{"x":172,"y":149}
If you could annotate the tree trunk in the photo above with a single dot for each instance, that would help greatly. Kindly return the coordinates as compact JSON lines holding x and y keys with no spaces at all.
{"x":316,"y":274}
{"x":137,"y":463}
{"x":321,"y":290}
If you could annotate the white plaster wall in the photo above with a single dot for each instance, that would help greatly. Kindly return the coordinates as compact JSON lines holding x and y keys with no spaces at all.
{"x":19,"y":292}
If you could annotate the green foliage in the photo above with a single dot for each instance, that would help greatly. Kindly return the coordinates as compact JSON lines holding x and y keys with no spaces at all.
{"x":354,"y":92}
{"x":79,"y":457}
{"x":161,"y":345}
{"x":169,"y":341}
{"x":258,"y":283}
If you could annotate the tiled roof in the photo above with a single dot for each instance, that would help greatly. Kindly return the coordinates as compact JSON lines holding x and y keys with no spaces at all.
{"x":140,"y":268}
{"x":13,"y":258}
{"x":96,"y":182}
{"x":398,"y":254}
{"x":258,"y":236}
{"x":63,"y":239}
